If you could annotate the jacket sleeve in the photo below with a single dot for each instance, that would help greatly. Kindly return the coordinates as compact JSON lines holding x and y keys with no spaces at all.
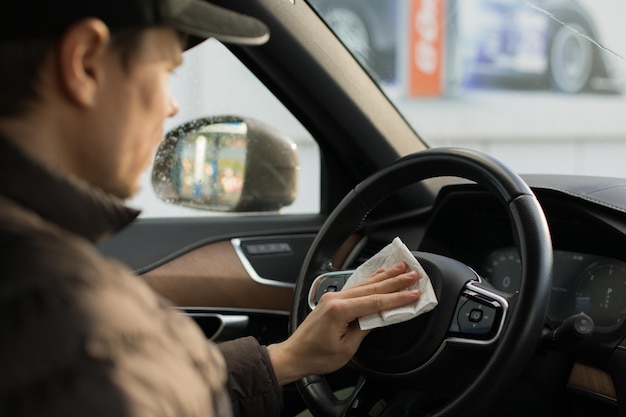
{"x":252,"y":383}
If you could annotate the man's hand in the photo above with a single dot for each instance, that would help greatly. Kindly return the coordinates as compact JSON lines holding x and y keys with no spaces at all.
{"x":330,"y":335}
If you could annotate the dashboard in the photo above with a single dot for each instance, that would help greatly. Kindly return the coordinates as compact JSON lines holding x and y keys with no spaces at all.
{"x":589,"y":250}
{"x":587,"y":221}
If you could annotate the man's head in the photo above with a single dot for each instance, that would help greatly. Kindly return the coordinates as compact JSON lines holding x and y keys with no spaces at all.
{"x":84,"y":85}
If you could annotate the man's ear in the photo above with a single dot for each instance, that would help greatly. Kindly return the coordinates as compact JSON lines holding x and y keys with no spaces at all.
{"x":82,"y":55}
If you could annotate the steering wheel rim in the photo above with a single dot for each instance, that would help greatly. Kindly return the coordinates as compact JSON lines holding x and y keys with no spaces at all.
{"x":531,"y":233}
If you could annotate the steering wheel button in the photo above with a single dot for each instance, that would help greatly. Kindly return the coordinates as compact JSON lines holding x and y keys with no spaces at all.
{"x":328,"y":282}
{"x":476,"y":318}
{"x":475,"y":315}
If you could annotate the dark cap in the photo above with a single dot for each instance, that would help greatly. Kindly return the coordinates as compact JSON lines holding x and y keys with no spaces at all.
{"x":21,"y":19}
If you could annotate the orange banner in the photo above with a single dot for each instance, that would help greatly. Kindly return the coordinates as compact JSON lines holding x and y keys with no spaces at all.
{"x":426,"y":47}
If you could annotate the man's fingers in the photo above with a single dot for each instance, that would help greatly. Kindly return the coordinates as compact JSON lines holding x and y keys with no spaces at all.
{"x":376,"y":303}
{"x":382,"y":274}
{"x":383,"y":290}
{"x":377,"y":286}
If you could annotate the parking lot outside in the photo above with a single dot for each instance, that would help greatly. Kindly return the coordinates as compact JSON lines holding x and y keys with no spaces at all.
{"x":484,"y":97}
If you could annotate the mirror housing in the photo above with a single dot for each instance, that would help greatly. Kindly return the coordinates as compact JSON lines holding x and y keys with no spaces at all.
{"x":226,"y":164}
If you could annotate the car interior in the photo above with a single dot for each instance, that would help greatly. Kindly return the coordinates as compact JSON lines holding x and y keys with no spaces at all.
{"x":529,"y":267}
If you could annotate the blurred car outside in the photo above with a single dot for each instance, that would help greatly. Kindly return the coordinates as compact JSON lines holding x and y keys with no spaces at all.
{"x":548,"y":43}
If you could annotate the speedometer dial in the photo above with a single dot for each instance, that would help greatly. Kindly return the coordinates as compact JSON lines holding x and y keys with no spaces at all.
{"x":504,"y":270}
{"x":601,"y":293}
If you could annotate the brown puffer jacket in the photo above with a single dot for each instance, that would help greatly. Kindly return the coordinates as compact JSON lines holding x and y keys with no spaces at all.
{"x":81,"y":335}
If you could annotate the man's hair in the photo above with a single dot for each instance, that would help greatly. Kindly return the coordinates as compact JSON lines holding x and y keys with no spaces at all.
{"x":21,"y":63}
{"x":19,"y":73}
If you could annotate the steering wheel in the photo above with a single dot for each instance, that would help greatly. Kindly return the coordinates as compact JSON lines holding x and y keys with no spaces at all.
{"x":472,"y":322}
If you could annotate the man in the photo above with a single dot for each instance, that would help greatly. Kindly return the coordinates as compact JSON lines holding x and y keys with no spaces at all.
{"x":84,"y":94}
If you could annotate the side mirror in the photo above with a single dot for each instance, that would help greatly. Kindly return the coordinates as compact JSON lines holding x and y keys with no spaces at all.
{"x":227,"y":164}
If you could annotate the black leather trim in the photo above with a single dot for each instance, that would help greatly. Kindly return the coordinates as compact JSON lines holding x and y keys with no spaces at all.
{"x":604,"y":191}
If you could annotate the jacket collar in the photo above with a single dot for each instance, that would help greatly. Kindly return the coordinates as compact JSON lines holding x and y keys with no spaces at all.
{"x":68,"y":202}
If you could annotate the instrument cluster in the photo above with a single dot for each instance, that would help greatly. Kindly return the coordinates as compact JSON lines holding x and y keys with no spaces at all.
{"x":581,"y":283}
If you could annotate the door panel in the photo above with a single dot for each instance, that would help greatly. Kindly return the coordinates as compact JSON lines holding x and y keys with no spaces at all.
{"x":213,"y":276}
{"x":149,"y":243}
{"x":233,"y":275}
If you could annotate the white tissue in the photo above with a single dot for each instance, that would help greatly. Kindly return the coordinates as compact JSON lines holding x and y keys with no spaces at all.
{"x":390,"y":255}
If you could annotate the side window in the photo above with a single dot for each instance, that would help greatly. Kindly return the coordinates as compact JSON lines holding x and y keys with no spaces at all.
{"x":213,"y":82}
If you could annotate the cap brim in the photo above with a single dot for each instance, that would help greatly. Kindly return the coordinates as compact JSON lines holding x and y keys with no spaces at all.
{"x":202,"y":20}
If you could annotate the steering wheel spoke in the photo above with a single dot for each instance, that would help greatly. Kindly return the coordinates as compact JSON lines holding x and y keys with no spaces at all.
{"x":364,"y":396}
{"x":323,"y":402}
{"x":479,"y":316}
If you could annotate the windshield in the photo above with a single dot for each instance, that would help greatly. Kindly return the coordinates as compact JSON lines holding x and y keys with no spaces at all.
{"x":538,"y":84}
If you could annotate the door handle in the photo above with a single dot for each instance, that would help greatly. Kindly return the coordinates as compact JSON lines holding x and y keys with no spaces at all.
{"x":222,"y":327}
